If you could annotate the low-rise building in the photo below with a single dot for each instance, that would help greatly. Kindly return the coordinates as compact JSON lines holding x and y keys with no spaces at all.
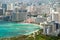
{"x":40,"y":19}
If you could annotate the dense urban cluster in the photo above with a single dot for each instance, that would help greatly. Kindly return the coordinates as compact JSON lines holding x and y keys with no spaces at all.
{"x":47,"y":16}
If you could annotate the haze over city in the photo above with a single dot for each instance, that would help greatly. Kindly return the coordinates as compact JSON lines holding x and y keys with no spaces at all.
{"x":28,"y":1}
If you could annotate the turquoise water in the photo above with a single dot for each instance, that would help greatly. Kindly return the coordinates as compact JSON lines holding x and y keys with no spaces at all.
{"x":11,"y":29}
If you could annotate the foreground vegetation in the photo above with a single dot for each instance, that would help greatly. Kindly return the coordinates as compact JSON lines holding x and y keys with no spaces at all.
{"x":44,"y":37}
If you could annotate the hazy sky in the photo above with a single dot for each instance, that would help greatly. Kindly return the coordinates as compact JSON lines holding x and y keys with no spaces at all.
{"x":5,"y":1}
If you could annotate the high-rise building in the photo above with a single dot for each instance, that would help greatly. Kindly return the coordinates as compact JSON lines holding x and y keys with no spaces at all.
{"x":55,"y":16}
{"x":1,"y":11}
{"x":10,"y":6}
{"x":4,"y":6}
{"x":19,"y":15}
{"x":43,"y":9}
{"x":0,"y":5}
{"x":31,"y":8}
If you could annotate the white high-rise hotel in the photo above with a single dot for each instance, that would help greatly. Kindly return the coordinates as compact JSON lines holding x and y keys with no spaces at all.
{"x":55,"y":16}
{"x":10,"y":6}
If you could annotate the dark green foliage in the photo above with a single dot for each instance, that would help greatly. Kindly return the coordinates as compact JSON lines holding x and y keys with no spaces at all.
{"x":44,"y":37}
